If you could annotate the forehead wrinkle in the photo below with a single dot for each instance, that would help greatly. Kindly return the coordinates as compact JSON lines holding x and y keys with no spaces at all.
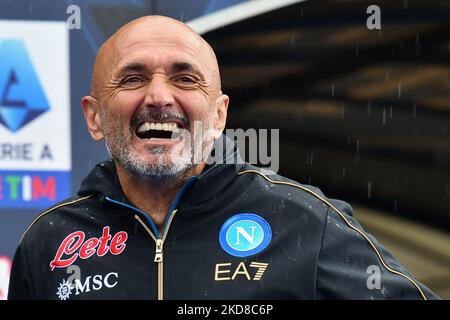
{"x":155,"y":45}
{"x":180,"y":60}
{"x":143,"y":63}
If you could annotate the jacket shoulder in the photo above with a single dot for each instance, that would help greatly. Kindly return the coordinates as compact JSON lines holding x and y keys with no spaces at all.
{"x":283,"y":187}
{"x":54,"y":209}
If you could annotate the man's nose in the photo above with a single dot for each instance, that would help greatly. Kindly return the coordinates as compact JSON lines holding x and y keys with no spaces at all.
{"x":158,"y":93}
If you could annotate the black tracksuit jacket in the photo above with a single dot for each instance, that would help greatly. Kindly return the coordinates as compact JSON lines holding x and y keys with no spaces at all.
{"x":99,"y":246}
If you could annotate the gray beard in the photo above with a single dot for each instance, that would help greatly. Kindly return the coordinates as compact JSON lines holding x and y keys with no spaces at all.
{"x":161,"y":171}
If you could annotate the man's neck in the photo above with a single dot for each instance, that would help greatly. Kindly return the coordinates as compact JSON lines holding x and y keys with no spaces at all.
{"x":153,"y":197}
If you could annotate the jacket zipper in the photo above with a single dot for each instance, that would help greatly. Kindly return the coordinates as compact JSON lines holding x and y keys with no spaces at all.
{"x":159,"y":251}
{"x":159,"y":262}
{"x":161,"y":237}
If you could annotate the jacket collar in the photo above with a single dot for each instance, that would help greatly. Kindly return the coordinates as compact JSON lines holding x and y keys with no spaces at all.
{"x":103,"y":179}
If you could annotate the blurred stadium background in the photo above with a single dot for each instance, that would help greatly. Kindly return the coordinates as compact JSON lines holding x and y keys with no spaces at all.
{"x":363,"y":114}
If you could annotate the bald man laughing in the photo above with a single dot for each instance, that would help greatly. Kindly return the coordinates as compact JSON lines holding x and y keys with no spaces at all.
{"x":143,"y":77}
{"x":159,"y":221}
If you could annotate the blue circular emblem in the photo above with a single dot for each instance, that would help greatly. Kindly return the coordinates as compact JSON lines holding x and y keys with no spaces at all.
{"x":245,"y":234}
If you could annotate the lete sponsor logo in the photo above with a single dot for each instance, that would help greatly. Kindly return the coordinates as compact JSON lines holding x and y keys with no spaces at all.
{"x":75,"y":246}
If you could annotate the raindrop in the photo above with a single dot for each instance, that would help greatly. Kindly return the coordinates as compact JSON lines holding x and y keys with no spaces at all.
{"x":414,"y":110}
{"x":417,"y":43}
{"x":332,"y":90}
{"x":395,"y":205}
{"x":399,"y":90}
{"x":357,"y":145}
{"x":447,"y":190}
{"x":343,"y":172}
{"x":356,"y":51}
{"x":311,"y":159}
{"x":405,"y":4}
{"x":369,"y":107}
{"x":182,"y":16}
{"x":384,"y":116}
{"x":301,"y":13}
{"x":31,"y":7}
{"x":342,"y":111}
{"x":390,"y":112}
{"x":357,"y":159}
{"x":449,"y":40}
{"x":309,"y":180}
{"x":293,"y":40}
{"x":387,"y":76}
{"x":369,"y":189}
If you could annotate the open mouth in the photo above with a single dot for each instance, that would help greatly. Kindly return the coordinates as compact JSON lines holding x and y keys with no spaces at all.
{"x":158,"y":130}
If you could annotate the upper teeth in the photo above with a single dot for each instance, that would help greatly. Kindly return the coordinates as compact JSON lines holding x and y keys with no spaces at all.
{"x":167,"y":126}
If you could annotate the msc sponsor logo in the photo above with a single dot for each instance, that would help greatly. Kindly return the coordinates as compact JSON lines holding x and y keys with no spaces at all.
{"x":91,"y":283}
{"x":244,"y":235}
{"x":226,"y":271}
{"x":75,"y":246}
{"x":64,"y":290}
{"x":35,"y":145}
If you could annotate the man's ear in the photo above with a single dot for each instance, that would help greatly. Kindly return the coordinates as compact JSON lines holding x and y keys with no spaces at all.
{"x":92,"y":114}
{"x":221,"y":110}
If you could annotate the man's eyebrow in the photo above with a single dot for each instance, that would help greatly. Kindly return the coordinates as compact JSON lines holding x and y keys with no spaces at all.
{"x":132,"y":67}
{"x":185,"y":66}
{"x":174,"y":68}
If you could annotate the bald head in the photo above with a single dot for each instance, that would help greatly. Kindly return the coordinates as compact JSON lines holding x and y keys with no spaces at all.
{"x":152,"y":32}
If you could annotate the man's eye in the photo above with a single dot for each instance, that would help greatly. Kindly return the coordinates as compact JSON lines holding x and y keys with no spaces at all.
{"x":132,"y":80}
{"x":186,"y":80}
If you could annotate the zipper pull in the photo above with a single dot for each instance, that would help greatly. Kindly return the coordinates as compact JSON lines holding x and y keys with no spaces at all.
{"x":158,"y":254}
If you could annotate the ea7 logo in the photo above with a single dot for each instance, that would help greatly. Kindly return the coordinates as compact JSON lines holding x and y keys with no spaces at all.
{"x":223,"y":271}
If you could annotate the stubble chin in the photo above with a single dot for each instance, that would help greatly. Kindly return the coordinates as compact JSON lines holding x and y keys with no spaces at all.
{"x":156,"y":164}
